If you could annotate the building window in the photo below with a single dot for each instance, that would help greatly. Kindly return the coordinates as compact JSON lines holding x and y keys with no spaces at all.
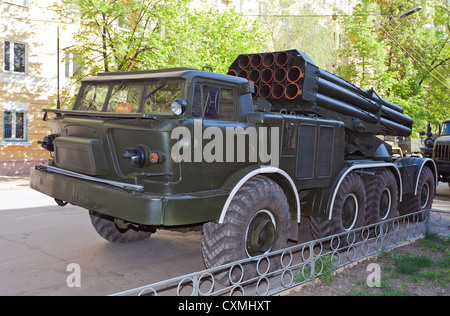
{"x":14,"y":129}
{"x":15,"y":58}
{"x":15,"y":123}
{"x":23,"y":3}
{"x":72,"y":65}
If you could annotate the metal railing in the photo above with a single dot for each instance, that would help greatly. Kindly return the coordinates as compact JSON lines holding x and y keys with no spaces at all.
{"x":281,"y":270}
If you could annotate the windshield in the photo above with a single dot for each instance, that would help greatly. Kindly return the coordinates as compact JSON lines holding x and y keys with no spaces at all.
{"x":94,"y":97}
{"x":446,"y":129}
{"x":129,"y":97}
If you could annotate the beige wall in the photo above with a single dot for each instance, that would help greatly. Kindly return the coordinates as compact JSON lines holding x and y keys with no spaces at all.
{"x":33,"y":25}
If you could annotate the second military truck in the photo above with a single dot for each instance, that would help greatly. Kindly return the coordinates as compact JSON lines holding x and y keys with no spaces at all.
{"x":242,"y":155}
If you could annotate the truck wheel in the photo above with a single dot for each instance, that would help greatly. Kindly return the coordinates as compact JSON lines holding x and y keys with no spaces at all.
{"x":257,"y":222}
{"x":425,"y":194}
{"x":118,"y":231}
{"x":348,"y":209}
{"x":381,"y":197}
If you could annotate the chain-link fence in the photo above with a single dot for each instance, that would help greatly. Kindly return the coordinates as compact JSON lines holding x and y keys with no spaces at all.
{"x":281,"y":270}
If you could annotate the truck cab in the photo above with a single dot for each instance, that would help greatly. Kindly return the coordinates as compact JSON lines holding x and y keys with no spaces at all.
{"x":116,"y":153}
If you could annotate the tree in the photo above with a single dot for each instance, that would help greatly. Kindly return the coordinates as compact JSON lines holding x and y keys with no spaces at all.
{"x":407,"y":60}
{"x":126,"y":35}
{"x":296,"y":25}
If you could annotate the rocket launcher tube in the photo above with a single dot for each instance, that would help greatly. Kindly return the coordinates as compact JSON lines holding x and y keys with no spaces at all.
{"x":349,"y":86}
{"x":331,"y":89}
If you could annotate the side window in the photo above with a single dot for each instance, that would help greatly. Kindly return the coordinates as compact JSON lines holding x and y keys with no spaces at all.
{"x":215,"y":102}
{"x":226,"y":104}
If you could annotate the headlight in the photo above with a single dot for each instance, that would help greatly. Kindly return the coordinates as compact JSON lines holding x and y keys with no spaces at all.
{"x":136,"y":156}
{"x":178,"y":107}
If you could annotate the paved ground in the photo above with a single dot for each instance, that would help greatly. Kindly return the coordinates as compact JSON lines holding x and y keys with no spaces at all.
{"x":39,"y":240}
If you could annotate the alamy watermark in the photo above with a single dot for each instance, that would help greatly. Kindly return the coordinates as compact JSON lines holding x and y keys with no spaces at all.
{"x":74,"y":277}
{"x":228,"y":144}
{"x":374,"y":278}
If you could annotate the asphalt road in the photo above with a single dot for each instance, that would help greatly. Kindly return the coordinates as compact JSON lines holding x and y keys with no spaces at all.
{"x":40,"y":242}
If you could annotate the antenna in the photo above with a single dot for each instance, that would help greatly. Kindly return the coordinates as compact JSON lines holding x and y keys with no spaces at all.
{"x":58,"y":104}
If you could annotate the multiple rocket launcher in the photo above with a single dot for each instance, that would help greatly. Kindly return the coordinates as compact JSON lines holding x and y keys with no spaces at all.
{"x":290,"y":80}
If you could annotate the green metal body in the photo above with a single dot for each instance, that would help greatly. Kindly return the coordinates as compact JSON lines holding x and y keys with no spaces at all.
{"x":88,"y":167}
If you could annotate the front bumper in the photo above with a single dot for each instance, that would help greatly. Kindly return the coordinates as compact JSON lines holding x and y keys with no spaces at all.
{"x":443,"y":170}
{"x":132,"y":206}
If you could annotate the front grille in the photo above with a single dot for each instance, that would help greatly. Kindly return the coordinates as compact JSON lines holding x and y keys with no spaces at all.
{"x":442,"y":152}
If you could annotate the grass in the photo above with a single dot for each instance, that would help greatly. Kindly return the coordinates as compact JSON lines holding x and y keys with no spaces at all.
{"x":404,"y":272}
{"x":325,"y":268}
{"x":421,"y":269}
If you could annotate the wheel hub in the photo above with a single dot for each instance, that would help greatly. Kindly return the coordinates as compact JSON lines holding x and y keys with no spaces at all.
{"x":385,"y":204}
{"x":424,"y":196}
{"x":260,"y":234}
{"x":349,"y":212}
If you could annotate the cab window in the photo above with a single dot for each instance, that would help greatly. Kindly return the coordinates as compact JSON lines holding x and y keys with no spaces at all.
{"x":446,"y":129}
{"x":214,"y":102}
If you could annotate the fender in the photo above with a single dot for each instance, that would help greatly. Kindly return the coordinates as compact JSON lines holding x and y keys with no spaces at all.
{"x":420,"y":163}
{"x":245,"y":174}
{"x":345,"y":172}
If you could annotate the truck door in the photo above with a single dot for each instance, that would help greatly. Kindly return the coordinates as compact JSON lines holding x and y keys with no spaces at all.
{"x":215,"y":113}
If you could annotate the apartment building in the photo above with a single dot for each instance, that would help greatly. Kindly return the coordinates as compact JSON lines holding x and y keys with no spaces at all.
{"x":28,"y":61}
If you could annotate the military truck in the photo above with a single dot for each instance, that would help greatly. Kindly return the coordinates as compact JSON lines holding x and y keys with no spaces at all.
{"x":440,"y":149}
{"x":243,"y":155}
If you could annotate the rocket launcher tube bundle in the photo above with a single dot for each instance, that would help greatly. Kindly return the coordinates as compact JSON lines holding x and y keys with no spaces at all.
{"x":291,"y":81}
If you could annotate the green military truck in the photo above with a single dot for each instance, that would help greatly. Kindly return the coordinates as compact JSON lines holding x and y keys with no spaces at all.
{"x":243,"y":155}
{"x":441,"y":153}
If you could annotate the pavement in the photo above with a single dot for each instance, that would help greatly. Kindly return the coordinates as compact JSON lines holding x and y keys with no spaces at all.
{"x":39,"y":239}
{"x":11,"y":191}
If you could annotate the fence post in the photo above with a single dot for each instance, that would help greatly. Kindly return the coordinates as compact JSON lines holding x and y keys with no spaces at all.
{"x":313,"y":264}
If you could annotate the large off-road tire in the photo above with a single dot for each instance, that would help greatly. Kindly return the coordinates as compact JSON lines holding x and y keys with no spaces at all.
{"x":425,"y":194}
{"x":348,"y":209}
{"x":118,"y":231}
{"x":381,"y":197}
{"x":257,"y":222}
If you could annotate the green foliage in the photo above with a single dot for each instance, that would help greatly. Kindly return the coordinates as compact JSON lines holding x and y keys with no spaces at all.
{"x":125,"y":35}
{"x":296,"y":25}
{"x":406,"y":60}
